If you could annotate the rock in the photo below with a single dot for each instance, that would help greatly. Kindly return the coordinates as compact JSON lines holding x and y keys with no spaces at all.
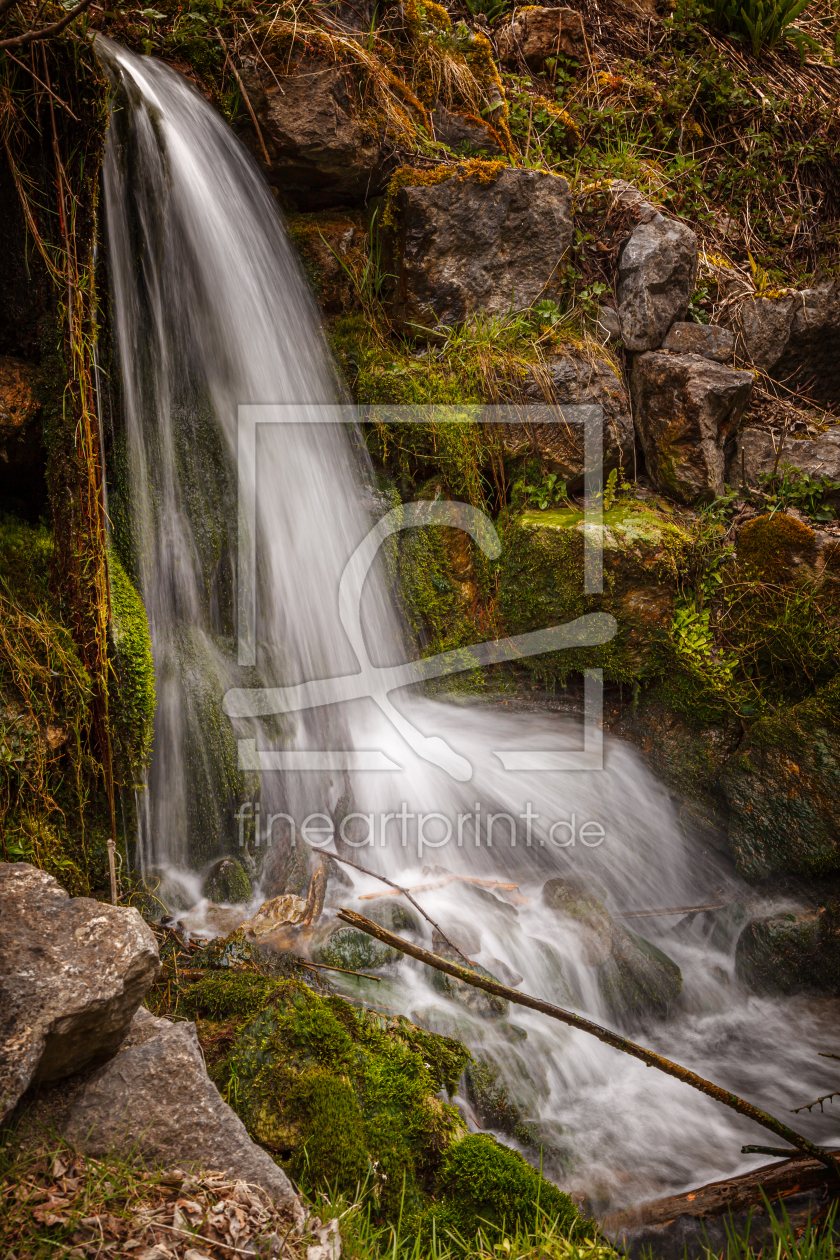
{"x":482,"y":241}
{"x":322,"y":153}
{"x":228,"y":882}
{"x":484,"y":1005}
{"x":535,"y":34}
{"x":355,"y":951}
{"x":465,"y":938}
{"x":328,"y":243}
{"x":796,"y":951}
{"x":328,"y":1246}
{"x":783,"y":791}
{"x":777,"y":548}
{"x":570,"y":380}
{"x":156,"y":1098}
{"x":756,"y":449}
{"x":634,"y":977}
{"x":461,"y":132}
{"x":22,"y":485}
{"x":709,"y":340}
{"x":609,"y":325}
{"x":794,"y":339}
{"x":394,"y":914}
{"x":687,"y":409}
{"x":230,"y":953}
{"x":657,"y":269}
{"x":72,"y":973}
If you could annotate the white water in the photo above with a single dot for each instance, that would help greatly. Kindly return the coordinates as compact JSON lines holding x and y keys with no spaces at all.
{"x":211,"y":312}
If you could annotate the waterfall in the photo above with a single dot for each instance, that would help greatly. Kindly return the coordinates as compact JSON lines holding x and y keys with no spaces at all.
{"x":212,"y":312}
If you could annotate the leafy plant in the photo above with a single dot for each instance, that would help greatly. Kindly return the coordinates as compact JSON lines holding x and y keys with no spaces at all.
{"x":549,"y":492}
{"x":491,"y":9}
{"x":791,"y":487}
{"x":764,"y":23}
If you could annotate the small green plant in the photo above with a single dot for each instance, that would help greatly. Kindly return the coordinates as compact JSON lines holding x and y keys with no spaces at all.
{"x":550,"y":492}
{"x":764,"y":23}
{"x":791,"y":487}
{"x":491,"y":9}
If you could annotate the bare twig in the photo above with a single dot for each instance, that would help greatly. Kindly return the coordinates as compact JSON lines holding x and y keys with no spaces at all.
{"x":343,"y":970}
{"x":652,"y":914}
{"x":246,"y":98}
{"x":46,"y":32}
{"x":407,"y":894}
{"x":42,"y":84}
{"x":763,"y":1118}
{"x":453,"y":879}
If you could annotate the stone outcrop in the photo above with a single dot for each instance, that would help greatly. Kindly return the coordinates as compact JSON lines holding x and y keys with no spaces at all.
{"x":460,"y":131}
{"x":322,"y":153}
{"x":567,"y":379}
{"x":756,"y":452}
{"x":534,"y":35}
{"x":479,"y":242}
{"x":72,"y":974}
{"x":634,"y":977}
{"x":156,"y":1098}
{"x":709,"y":340}
{"x":687,"y":410}
{"x":795,"y":339}
{"x":657,"y":269}
{"x":793,"y":951}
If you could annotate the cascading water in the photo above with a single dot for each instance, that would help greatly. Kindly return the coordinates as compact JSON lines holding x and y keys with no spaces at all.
{"x":212,"y":312}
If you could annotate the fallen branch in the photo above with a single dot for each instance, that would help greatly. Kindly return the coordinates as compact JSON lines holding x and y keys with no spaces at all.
{"x":343,"y":970}
{"x":246,"y":98}
{"x":46,"y":32}
{"x":652,"y":914}
{"x":763,"y":1118}
{"x":405,"y":893}
{"x":460,"y":879}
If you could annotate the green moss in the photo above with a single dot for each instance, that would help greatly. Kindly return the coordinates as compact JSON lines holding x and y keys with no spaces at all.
{"x":220,"y":996}
{"x":769,"y":545}
{"x":132,"y":703}
{"x":356,"y":951}
{"x":229,"y":883}
{"x":485,"y":1185}
{"x":795,"y":952}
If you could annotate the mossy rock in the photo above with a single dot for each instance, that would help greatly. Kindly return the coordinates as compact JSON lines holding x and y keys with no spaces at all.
{"x":356,"y":951}
{"x":497,"y":1108}
{"x":487,"y":1186}
{"x":132,"y":701}
{"x":792,"y":952}
{"x":783,"y":791}
{"x":484,"y":1005}
{"x":393,"y":913}
{"x":228,"y":882}
{"x":336,"y":1094}
{"x":637,"y":979}
{"x":230,"y":953}
{"x":774,"y":548}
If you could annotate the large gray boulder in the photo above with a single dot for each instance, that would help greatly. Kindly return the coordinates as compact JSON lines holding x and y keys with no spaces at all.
{"x":710,"y":340}
{"x":72,"y":973}
{"x":756,"y":452}
{"x":795,"y":950}
{"x":687,"y":410}
{"x":321,"y":152}
{"x":569,"y":380}
{"x":478,"y":242}
{"x":657,"y":269}
{"x":156,"y":1098}
{"x":795,"y":339}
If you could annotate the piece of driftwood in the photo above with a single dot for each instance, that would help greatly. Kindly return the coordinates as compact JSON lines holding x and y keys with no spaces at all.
{"x":652,"y":914}
{"x":744,"y":1108}
{"x":688,"y":1224}
{"x":449,"y":879}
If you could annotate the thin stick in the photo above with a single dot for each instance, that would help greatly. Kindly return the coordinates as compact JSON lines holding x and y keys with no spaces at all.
{"x":46,"y":32}
{"x":405,"y":893}
{"x":246,"y":98}
{"x":603,"y":1034}
{"x":651,"y":914}
{"x":326,"y":967}
{"x":62,"y":103}
{"x":452,"y":879}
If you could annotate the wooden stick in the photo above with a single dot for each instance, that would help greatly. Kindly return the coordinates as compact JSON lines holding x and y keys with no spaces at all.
{"x":343,"y":970}
{"x":246,"y":98}
{"x":461,"y":879}
{"x":651,"y":914}
{"x":405,"y":893}
{"x":603,"y":1034}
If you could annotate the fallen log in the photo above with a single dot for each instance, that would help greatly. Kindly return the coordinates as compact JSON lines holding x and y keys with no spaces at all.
{"x":744,"y":1108}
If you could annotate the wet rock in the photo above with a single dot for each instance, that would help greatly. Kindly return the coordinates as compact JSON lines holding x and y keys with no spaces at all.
{"x":657,"y":269}
{"x":287,"y":910}
{"x":464,"y":132}
{"x":355,"y":951}
{"x":156,"y":1098}
{"x":232,"y":953}
{"x":794,"y":338}
{"x":535,"y":34}
{"x":322,"y":152}
{"x":566,"y":379}
{"x":635,"y":978}
{"x":329,"y":244}
{"x":394,"y":914}
{"x":482,"y":241}
{"x":484,"y":1005}
{"x":72,"y":973}
{"x":491,"y":1096}
{"x":795,"y":951}
{"x":709,"y":340}
{"x":756,"y":450}
{"x":687,"y":410}
{"x":783,"y":792}
{"x":227,"y":881}
{"x":465,"y":938}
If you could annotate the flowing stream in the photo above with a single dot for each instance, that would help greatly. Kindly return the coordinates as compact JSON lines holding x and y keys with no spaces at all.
{"x":212,"y":312}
